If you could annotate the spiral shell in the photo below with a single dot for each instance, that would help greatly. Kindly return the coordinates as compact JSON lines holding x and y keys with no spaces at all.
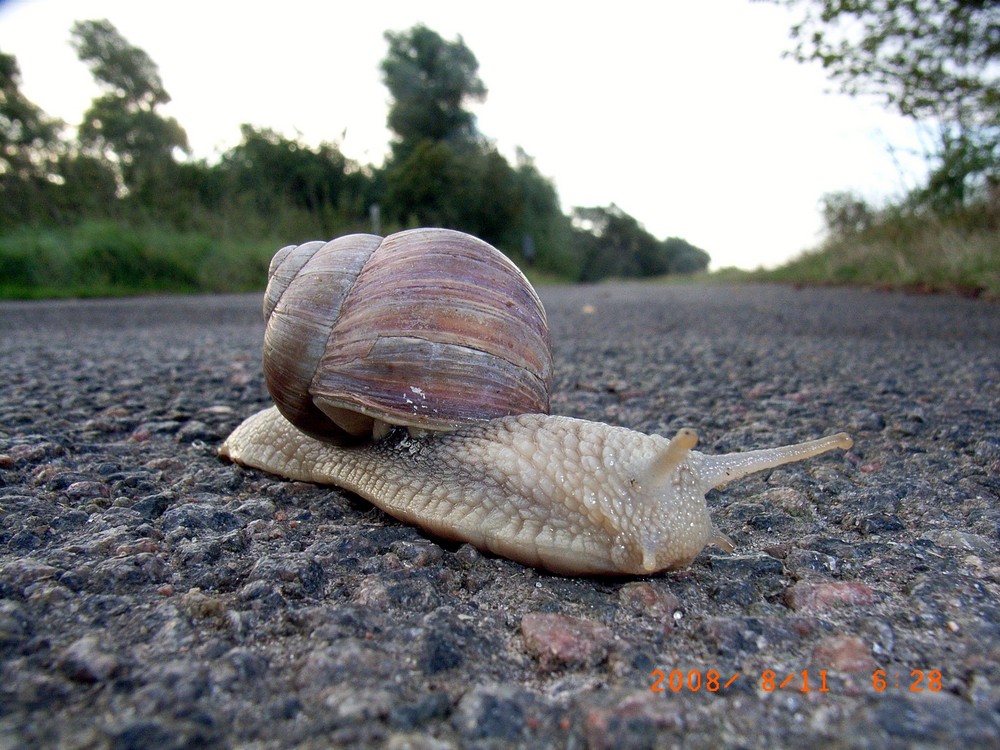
{"x":427,"y":328}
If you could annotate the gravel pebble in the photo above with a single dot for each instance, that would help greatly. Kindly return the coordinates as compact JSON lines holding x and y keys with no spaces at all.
{"x":557,"y":640}
{"x":152,"y":595}
{"x":85,"y":660}
{"x":844,"y":653}
{"x":806,"y":595}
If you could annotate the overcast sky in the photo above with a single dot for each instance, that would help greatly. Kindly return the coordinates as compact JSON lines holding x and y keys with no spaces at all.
{"x":682,"y":112}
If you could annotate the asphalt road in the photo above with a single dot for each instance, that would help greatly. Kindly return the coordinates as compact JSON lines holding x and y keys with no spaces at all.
{"x":155,"y":596}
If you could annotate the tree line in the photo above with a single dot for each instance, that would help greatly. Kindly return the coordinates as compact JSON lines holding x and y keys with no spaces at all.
{"x":130,"y":164}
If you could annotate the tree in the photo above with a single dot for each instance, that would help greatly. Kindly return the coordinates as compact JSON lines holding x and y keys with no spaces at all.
{"x":29,"y":150}
{"x":443,"y":172}
{"x":473,"y":189}
{"x":615,"y":244}
{"x":543,"y":232}
{"x":123,"y":70}
{"x":123,"y":126}
{"x":683,"y":257}
{"x":846,"y":213}
{"x":439,"y":162}
{"x":25,"y":131}
{"x":935,"y":61}
{"x":273,"y":172}
{"x":431,"y":81}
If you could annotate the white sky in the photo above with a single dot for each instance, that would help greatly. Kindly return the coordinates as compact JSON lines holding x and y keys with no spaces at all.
{"x":683,"y":112}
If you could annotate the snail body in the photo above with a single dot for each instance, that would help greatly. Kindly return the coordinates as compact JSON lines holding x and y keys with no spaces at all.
{"x":568,"y":495}
{"x":572,"y":496}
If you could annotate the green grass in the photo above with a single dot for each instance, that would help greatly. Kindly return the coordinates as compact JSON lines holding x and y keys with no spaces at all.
{"x":99,"y":259}
{"x":106,"y":259}
{"x":960,"y":254}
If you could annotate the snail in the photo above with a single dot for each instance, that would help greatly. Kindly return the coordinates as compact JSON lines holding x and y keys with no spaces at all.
{"x":413,"y":370}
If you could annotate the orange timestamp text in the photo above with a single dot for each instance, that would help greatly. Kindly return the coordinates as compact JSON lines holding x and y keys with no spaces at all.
{"x":804,"y":681}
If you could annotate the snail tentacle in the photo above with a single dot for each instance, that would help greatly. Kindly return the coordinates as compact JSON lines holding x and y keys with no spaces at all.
{"x":718,"y":471}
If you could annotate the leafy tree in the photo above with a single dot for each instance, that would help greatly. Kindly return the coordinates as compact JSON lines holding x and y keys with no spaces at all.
{"x":473,"y":189}
{"x":430,"y":80}
{"x":271,"y":171}
{"x":845,"y":213}
{"x":444,"y":172}
{"x":497,"y":212}
{"x":430,"y":186}
{"x":683,"y":257}
{"x":613,"y":243}
{"x":29,"y":151}
{"x":25,"y":131}
{"x":123,"y":126}
{"x":542,"y":231}
{"x":934,"y":61}
{"x":89,"y":188}
{"x":44,"y":179}
{"x":123,"y":70}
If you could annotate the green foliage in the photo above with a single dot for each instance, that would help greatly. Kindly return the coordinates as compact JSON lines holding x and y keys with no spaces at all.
{"x":935,"y":61}
{"x":440,"y":184}
{"x":116,"y":212}
{"x":845,"y":213}
{"x":541,"y":231}
{"x":125,"y":71}
{"x":24,"y":128}
{"x":267,"y":172}
{"x":442,"y":172}
{"x":98,"y":258}
{"x":926,"y":58}
{"x":430,"y":81}
{"x":426,"y":187}
{"x":109,"y":255}
{"x":122,"y":126}
{"x":965,"y":167}
{"x":900,"y":247}
{"x":614,"y":244}
{"x":685,"y":258}
{"x":28,"y":151}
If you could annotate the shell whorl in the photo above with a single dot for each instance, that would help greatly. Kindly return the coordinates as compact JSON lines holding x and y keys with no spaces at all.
{"x":428,"y":328}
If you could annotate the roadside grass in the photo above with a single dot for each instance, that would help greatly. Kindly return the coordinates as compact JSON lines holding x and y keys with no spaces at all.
{"x":960,"y":255}
{"x":100,"y":258}
{"x":106,"y":259}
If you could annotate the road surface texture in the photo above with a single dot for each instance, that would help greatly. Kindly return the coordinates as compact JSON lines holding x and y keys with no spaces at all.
{"x":154,"y":596}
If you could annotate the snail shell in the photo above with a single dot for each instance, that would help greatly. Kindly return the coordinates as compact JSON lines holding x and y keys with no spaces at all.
{"x":428,"y":328}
